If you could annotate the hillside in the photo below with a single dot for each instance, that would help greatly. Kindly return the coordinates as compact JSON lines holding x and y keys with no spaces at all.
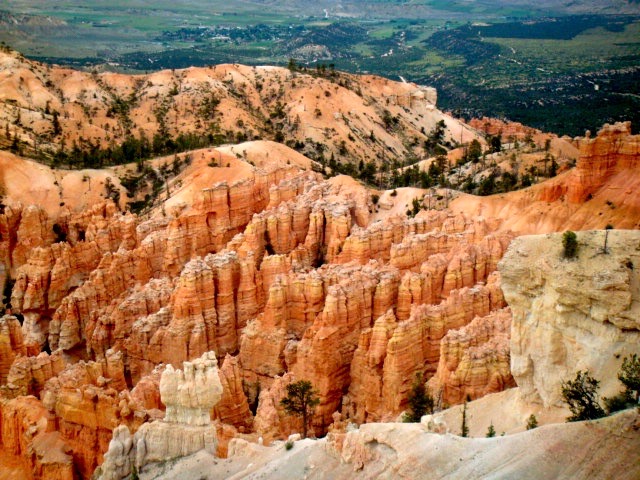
{"x":599,"y":191}
{"x":327,"y":115}
{"x":256,"y":258}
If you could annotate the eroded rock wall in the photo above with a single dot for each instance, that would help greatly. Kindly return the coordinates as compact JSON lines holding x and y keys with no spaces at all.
{"x":571,"y":314}
{"x":282,"y":274}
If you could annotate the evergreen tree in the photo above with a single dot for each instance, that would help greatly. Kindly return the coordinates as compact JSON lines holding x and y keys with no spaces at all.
{"x":300,"y":401}
{"x":491,"y":432}
{"x":464,"y":430}
{"x":581,"y":394}
{"x":532,"y":422}
{"x":630,"y":376}
{"x":420,"y":402}
{"x":56,"y":124}
{"x":570,"y":244}
{"x":475,"y":151}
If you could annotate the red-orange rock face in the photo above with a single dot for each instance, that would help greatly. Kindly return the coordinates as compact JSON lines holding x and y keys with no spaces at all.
{"x":284,"y":275}
{"x":11,"y":344}
{"x":613,"y":150}
{"x":474,"y":360}
{"x":27,"y":434}
{"x":390,"y":355}
{"x":275,"y":273}
{"x":508,"y":130}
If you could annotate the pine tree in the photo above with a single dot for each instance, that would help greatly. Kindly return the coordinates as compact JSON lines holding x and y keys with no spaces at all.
{"x":581,"y":394}
{"x":630,"y":376}
{"x":491,"y":432}
{"x":300,"y":401}
{"x":420,"y":402}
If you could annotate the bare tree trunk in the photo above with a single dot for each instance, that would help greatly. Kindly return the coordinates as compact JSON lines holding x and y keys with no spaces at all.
{"x":304,"y":424}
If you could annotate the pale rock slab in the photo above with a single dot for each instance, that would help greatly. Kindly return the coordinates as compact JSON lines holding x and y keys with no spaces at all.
{"x":570,"y":315}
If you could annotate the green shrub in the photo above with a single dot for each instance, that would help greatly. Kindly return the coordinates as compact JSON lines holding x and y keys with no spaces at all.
{"x":630,"y":376}
{"x":570,"y":244}
{"x":288,"y":444}
{"x":619,"y":402}
{"x":532,"y":422}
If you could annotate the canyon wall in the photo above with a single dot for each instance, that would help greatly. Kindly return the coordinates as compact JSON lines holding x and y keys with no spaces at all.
{"x":274,"y":272}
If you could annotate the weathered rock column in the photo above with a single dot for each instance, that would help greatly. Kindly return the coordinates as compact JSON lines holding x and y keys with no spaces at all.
{"x":189,"y":395}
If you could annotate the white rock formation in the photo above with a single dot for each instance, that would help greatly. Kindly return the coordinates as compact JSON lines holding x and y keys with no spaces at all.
{"x":118,"y":461}
{"x":189,"y":395}
{"x":601,"y":450}
{"x":571,"y":315}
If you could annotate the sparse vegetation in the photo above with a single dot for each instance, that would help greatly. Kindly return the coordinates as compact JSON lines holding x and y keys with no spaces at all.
{"x":630,"y":376}
{"x":532,"y":422}
{"x":416,"y":206}
{"x":464,"y":428}
{"x":581,"y":394}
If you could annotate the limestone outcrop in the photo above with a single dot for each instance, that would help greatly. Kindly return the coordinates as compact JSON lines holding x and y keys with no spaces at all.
{"x":189,"y":395}
{"x":571,"y":314}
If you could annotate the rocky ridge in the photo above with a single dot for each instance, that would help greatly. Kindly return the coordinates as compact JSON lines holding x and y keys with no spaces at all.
{"x":347,"y":117}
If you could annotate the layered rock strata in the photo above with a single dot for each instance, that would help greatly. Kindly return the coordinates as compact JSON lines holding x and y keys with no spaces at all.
{"x":474,"y":360}
{"x":273,"y":274}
